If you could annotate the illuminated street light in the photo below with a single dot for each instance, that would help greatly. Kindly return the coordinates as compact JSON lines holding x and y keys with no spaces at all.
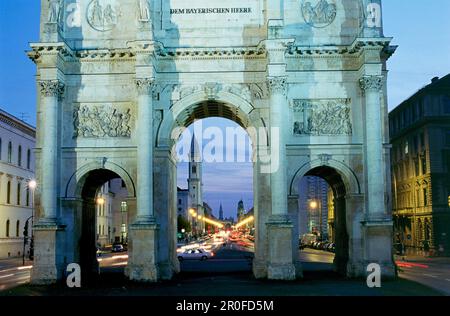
{"x":32,"y":184}
{"x":313,"y":205}
{"x":100,"y":201}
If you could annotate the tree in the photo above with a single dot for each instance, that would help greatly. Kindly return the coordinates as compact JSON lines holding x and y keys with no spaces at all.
{"x":183,"y":223}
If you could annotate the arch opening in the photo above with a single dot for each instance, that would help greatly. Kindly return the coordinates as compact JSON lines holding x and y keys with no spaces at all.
{"x":103,"y":223}
{"x":322,"y":195}
{"x":224,"y":237}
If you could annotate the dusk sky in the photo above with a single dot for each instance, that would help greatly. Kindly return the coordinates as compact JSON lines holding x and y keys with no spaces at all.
{"x":420,"y":28}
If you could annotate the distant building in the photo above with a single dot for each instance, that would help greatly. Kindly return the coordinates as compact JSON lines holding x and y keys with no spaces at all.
{"x":420,"y":137}
{"x":17,"y":142}
{"x":313,"y":204}
{"x":240,"y":211}
{"x":221,"y":212}
{"x":183,"y":203}
{"x":112,"y":213}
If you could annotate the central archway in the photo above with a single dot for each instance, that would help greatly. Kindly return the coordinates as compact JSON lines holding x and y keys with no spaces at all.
{"x":199,"y":106}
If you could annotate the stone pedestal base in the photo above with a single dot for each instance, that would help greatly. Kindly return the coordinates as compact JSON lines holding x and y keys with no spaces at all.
{"x":280,"y":261}
{"x":259,"y":269}
{"x":48,"y":264}
{"x":142,"y":253}
{"x":378,"y":247}
{"x":166,"y":270}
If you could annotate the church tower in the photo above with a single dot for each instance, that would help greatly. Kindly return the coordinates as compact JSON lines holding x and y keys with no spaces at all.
{"x":196,"y":186}
{"x":221,"y":212}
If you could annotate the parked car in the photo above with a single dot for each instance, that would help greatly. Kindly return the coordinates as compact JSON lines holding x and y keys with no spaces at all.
{"x":331,"y":247}
{"x":195,"y":254}
{"x":118,"y":248}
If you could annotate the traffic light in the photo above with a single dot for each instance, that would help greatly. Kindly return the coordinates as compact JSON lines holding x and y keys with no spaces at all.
{"x":25,"y":230}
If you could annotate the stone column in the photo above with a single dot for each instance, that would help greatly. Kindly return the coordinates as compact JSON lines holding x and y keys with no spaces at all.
{"x":145,"y":213}
{"x":143,"y":233}
{"x":371,"y":86}
{"x":278,"y":179}
{"x":279,"y":227}
{"x":377,"y":226}
{"x":51,"y":91}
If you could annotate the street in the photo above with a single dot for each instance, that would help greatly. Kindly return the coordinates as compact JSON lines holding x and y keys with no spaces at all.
{"x":432,"y":272}
{"x":232,"y":260}
{"x":13,"y":273}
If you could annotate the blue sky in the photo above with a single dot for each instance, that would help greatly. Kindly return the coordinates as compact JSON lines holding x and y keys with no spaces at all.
{"x":420,"y":28}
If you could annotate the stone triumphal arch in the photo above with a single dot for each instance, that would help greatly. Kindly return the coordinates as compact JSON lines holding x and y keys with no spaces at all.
{"x":116,"y":78}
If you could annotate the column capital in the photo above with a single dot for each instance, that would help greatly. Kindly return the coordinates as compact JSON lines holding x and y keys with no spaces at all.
{"x":145,"y":86}
{"x":371,"y":83}
{"x":51,"y":88}
{"x":277,"y":85}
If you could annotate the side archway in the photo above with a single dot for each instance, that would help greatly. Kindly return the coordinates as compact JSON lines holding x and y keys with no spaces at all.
{"x":77,"y":181}
{"x":344,"y":184}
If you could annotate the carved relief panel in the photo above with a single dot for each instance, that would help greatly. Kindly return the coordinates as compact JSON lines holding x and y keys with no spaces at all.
{"x":322,"y":117}
{"x":102,"y":120}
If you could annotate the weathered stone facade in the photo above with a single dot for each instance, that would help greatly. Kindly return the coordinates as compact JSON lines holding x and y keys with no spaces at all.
{"x":115,"y":85}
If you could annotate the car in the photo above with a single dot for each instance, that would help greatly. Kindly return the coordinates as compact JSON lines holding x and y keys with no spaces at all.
{"x":331,"y":247}
{"x":118,"y":248}
{"x":195,"y":254}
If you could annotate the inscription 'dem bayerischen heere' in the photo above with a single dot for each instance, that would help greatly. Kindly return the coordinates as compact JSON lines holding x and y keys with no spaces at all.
{"x":212,"y":11}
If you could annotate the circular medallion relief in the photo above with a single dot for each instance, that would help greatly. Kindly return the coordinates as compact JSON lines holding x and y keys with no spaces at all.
{"x":319,"y":13}
{"x":102,"y":14}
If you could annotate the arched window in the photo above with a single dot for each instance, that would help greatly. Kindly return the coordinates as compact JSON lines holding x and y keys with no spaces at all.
{"x":8,"y":192}
{"x":28,"y":159}
{"x":17,"y":228}
{"x":10,"y":152}
{"x":19,"y":156}
{"x":7,"y":228}
{"x":19,"y":191}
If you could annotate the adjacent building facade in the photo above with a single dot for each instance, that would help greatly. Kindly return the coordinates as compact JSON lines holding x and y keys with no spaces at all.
{"x":17,"y":143}
{"x":420,"y":136}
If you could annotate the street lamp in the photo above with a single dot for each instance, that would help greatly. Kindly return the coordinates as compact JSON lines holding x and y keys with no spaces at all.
{"x":32,"y":185}
{"x":317,"y":205}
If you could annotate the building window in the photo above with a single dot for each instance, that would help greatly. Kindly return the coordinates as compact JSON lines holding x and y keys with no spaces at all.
{"x":17,"y":228}
{"x":417,"y":166}
{"x":424,"y":164}
{"x":446,"y":103}
{"x":28,"y":159}
{"x":28,"y":197}
{"x":19,"y":187}
{"x":194,"y":169}
{"x":123,"y":207}
{"x":425,"y":197}
{"x":8,"y":193}
{"x":19,"y":156}
{"x":10,"y":152}
{"x":7,"y":228}
{"x":422,"y":141}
